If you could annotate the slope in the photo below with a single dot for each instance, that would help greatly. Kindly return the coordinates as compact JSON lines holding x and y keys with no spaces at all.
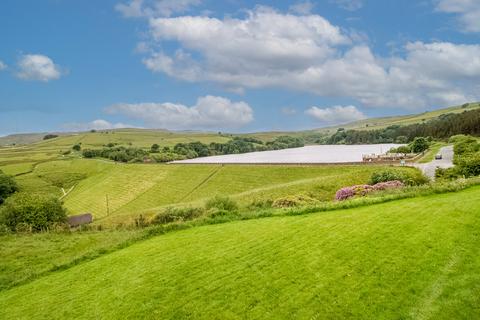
{"x":409,"y":259}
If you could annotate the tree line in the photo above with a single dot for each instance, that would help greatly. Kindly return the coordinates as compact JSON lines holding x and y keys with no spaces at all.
{"x":191,"y":150}
{"x":443,"y":127}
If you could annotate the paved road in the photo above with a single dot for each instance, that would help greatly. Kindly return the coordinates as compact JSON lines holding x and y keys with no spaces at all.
{"x":446,"y":162}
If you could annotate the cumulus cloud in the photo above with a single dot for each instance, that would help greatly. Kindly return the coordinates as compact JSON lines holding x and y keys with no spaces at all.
{"x":307,"y":53}
{"x":209,"y":112}
{"x":350,"y":5}
{"x":37,"y":67}
{"x":335,"y":114}
{"x":468,"y":12}
{"x":98,"y":124}
{"x":3,"y":66}
{"x":154,"y":8}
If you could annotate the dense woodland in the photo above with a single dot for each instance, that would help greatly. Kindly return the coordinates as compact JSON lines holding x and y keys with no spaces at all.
{"x":443,"y":127}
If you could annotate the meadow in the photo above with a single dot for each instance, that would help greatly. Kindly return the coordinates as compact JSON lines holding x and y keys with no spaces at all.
{"x":409,"y":259}
{"x":115,"y":192}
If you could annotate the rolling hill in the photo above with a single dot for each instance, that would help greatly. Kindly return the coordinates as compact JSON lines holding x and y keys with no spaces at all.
{"x":144,"y":138}
{"x":409,"y":259}
{"x":133,"y":189}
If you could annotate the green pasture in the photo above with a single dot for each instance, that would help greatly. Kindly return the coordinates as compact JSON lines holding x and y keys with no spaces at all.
{"x":115,"y":192}
{"x":407,"y":259}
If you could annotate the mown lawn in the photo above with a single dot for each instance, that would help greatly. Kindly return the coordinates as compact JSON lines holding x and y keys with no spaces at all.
{"x":409,"y":259}
{"x":24,"y":257}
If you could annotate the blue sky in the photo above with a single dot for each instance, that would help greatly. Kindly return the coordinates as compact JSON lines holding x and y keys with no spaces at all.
{"x":231,"y":65}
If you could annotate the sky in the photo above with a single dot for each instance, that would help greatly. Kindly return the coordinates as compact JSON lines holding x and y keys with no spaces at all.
{"x":233,"y":65}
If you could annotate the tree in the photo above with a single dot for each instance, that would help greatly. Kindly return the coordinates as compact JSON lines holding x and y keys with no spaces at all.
{"x":77,"y":147}
{"x":155,"y":148}
{"x":50,"y":136}
{"x":419,"y":144}
{"x":8,"y":186}
{"x":34,"y":211}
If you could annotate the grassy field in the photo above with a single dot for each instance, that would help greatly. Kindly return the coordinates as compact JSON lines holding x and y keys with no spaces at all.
{"x":133,"y":189}
{"x":408,"y":259}
{"x":28,"y":256}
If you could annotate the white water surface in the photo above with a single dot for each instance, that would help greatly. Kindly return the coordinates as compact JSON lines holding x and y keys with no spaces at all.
{"x":307,"y":155}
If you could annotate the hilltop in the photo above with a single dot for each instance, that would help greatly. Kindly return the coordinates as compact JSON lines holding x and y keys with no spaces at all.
{"x":144,"y":138}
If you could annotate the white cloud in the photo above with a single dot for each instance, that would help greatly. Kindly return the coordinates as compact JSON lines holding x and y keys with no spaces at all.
{"x":154,"y":8}
{"x":98,"y":124}
{"x":350,"y":5}
{"x":302,"y":8}
{"x":468,"y":12}
{"x":37,"y":67}
{"x":3,"y":66}
{"x":336,"y":114}
{"x":307,"y":53}
{"x":209,"y":112}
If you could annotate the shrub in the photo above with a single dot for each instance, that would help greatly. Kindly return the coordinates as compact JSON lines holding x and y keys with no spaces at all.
{"x":401,"y":149}
{"x":35,"y":211}
{"x":292,"y":201}
{"x":419,"y":144}
{"x":176,"y":214}
{"x":411,"y":178}
{"x":221,"y":203}
{"x":465,"y":146}
{"x":77,"y":147}
{"x":447,"y":174}
{"x":363,"y":190}
{"x":260,"y":204}
{"x":469,"y":165}
{"x":8,"y":186}
{"x":50,"y":136}
{"x":155,"y":148}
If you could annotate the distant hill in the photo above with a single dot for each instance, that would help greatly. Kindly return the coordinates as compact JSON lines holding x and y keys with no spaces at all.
{"x":148,"y":136}
{"x":383,"y":122}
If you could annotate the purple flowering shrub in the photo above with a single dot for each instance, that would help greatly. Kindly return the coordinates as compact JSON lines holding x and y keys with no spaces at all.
{"x":363,"y":189}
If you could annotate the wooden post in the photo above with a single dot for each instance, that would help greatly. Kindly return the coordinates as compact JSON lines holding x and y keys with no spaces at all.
{"x":108,"y":208}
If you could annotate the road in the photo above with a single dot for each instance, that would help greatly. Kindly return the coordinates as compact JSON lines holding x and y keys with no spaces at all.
{"x":446,"y":162}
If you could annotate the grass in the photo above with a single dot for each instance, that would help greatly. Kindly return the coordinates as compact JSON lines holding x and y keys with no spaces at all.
{"x":137,"y":188}
{"x":381,"y":123}
{"x":432,"y":151}
{"x":27,"y":256}
{"x":408,"y":259}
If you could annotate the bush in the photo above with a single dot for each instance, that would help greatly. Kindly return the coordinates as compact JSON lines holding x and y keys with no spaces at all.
{"x":8,"y":186}
{"x":363,"y":190}
{"x":32,"y":211}
{"x":176,"y":214}
{"x":292,"y":201}
{"x":466,"y":145}
{"x":50,"y":136}
{"x":412,"y":178}
{"x":221,"y":203}
{"x":401,"y":149}
{"x":419,"y":144}
{"x":447,"y":174}
{"x":155,"y":148}
{"x":469,"y":165}
{"x":77,"y":147}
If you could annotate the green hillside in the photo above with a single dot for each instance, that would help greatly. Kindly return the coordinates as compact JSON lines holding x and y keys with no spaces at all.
{"x":408,"y":259}
{"x":138,"y":188}
{"x":383,"y":122}
{"x":144,"y":138}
